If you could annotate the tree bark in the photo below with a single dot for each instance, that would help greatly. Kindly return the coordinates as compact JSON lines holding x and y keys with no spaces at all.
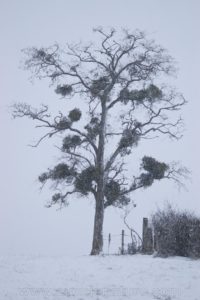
{"x":97,"y":245}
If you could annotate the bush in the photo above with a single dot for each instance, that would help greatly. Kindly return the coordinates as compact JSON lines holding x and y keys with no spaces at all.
{"x":176,"y":233}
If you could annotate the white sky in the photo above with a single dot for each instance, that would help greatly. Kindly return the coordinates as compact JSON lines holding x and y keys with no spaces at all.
{"x":26,"y":226}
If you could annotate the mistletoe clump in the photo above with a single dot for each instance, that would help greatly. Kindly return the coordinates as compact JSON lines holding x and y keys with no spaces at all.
{"x":75,"y":115}
{"x":99,"y":85}
{"x":112,"y":191}
{"x":121,"y":201}
{"x":56,"y":197}
{"x":43,"y":177}
{"x":153,"y":92}
{"x":93,"y":127}
{"x":85,"y":181}
{"x":60,"y":172}
{"x":64,"y":123}
{"x":41,"y":54}
{"x":155,"y":170}
{"x":128,"y":140}
{"x":114,"y":195}
{"x":146,"y":179}
{"x":71,"y":141}
{"x":64,"y":90}
{"x":150,"y":94}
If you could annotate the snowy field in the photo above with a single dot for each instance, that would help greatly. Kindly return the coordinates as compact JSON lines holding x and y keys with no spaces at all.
{"x":111,"y":277}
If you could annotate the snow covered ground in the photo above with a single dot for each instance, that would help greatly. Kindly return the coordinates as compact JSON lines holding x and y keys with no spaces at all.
{"x":138,"y":277}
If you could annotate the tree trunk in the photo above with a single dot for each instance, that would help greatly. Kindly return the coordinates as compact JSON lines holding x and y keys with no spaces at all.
{"x":97,"y":245}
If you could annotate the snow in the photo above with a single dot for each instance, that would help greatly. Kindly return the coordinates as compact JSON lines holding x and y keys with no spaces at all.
{"x":139,"y":277}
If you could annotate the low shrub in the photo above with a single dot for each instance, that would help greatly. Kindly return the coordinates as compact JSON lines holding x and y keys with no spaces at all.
{"x":176,"y":233}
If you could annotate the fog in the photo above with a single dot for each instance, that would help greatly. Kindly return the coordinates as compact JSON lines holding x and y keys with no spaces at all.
{"x":26,"y":225}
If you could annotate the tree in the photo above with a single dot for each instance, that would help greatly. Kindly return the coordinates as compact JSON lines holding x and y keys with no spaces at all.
{"x":122,"y":72}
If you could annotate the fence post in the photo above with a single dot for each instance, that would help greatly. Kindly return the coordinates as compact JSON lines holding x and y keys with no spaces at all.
{"x":122,"y":246}
{"x":109,"y":241}
{"x":147,"y":238}
{"x":144,"y":235}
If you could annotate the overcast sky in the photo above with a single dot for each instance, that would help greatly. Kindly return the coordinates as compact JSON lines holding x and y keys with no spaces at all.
{"x":26,"y":226}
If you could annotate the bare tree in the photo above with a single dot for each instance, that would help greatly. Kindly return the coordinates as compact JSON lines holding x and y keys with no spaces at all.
{"x":122,"y":73}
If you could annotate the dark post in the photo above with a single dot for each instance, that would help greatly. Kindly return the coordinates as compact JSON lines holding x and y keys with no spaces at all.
{"x":144,"y":235}
{"x":122,"y":247}
{"x":147,"y":238}
{"x":109,"y":241}
{"x":149,"y":241}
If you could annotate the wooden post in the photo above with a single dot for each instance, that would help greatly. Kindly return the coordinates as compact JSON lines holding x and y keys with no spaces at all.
{"x":122,"y":247}
{"x":144,"y":235}
{"x":149,"y":241}
{"x":147,"y":238}
{"x":109,"y":241}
